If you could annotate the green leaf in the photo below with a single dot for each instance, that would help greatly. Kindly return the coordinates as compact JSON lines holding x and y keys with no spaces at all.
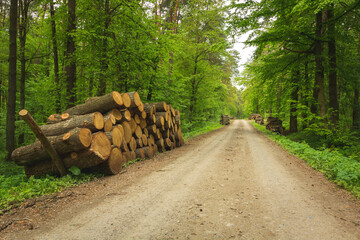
{"x":75,"y":170}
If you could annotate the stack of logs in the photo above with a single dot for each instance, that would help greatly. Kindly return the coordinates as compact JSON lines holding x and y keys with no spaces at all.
{"x":104,"y":133}
{"x":225,"y":120}
{"x":275,"y":125}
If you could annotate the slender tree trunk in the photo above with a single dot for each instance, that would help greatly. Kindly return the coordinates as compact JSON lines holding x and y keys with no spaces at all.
{"x":319,"y":90}
{"x":293,"y":104}
{"x":305,"y":99}
{"x":70,"y":67}
{"x":11,"y":103}
{"x":24,"y":9}
{"x":56,"y":57}
{"x":356,"y":104}
{"x":333,"y":95}
{"x":104,"y":62}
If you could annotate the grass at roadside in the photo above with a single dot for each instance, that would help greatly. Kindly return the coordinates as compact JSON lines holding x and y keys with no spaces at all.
{"x":15,"y":187}
{"x":200,"y":129}
{"x":342,"y":170}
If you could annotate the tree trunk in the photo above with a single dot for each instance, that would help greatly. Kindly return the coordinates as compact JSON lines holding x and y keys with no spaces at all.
{"x":104,"y":61}
{"x":333,"y":95}
{"x":93,"y":121}
{"x":356,"y":104}
{"x":56,"y":58}
{"x":319,"y":91}
{"x":11,"y":103}
{"x":98,"y":153}
{"x":293,"y":104}
{"x":70,"y":68}
{"x":73,"y":141}
{"x":97,"y":104}
{"x":113,"y":164}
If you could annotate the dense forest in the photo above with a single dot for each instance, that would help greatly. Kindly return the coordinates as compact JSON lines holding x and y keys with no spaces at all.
{"x":305,"y":69}
{"x":55,"y":54}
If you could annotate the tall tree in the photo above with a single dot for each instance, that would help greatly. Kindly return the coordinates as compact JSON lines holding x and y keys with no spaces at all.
{"x":11,"y":103}
{"x":56,"y":57}
{"x":70,"y":67}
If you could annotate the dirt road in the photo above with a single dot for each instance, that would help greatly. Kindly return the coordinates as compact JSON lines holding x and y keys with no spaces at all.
{"x":233,"y":183}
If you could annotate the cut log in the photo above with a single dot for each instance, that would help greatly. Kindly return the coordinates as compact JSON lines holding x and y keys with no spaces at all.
{"x":177,"y":113}
{"x":117,"y":114}
{"x":92,"y":121}
{"x":143,"y":123}
{"x":155,"y":148}
{"x":137,"y":118}
{"x":177,"y":120}
{"x":120,"y":127}
{"x":132,"y":155}
{"x":165,"y":115}
{"x":159,"y":121}
{"x":152,"y":129}
{"x":144,"y":140}
{"x":160,"y":106}
{"x":140,"y":153}
{"x":168,"y":143}
{"x":151,"y":119}
{"x":127,"y":156}
{"x":172,"y":110}
{"x":138,"y":132}
{"x":127,"y":131}
{"x":75,"y":140}
{"x":132,"y":144}
{"x":149,"y":109}
{"x":98,"y":152}
{"x":56,"y":160}
{"x":109,"y":121}
{"x":115,"y":137}
{"x":135,"y":99}
{"x":113,"y":164}
{"x":149,"y":152}
{"x":55,"y":118}
{"x":124,"y":147}
{"x":146,"y":132}
{"x":126,"y":115}
{"x":139,"y":143}
{"x":166,"y":134}
{"x":143,"y":115}
{"x":98,"y":104}
{"x":160,"y":143}
{"x":126,"y":99}
{"x":133,"y":125}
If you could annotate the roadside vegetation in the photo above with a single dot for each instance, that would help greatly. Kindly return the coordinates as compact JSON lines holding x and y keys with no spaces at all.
{"x":15,"y":187}
{"x":320,"y":151}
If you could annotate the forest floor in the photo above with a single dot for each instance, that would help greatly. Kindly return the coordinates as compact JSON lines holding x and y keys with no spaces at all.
{"x":232,"y":183}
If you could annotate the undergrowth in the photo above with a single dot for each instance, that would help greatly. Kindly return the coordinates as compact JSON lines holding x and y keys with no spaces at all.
{"x":15,"y":187}
{"x":343,"y":170}
{"x":198,"y":129}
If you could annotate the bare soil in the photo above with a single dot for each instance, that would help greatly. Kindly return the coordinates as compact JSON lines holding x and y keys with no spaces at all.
{"x":232,"y":183}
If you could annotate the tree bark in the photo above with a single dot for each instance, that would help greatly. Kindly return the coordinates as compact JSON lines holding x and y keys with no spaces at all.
{"x":70,"y":68}
{"x":97,"y":104}
{"x":318,"y":91}
{"x":93,"y":121}
{"x":56,"y":160}
{"x":11,"y":103}
{"x":333,"y":95}
{"x":73,"y":141}
{"x":56,"y":57}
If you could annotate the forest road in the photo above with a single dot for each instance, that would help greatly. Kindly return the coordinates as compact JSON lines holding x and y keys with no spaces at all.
{"x":232,"y":183}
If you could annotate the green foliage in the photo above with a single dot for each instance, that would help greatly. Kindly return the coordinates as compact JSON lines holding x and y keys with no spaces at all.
{"x":195,"y":129}
{"x":15,"y":187}
{"x":75,"y":170}
{"x":344,"y":171}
